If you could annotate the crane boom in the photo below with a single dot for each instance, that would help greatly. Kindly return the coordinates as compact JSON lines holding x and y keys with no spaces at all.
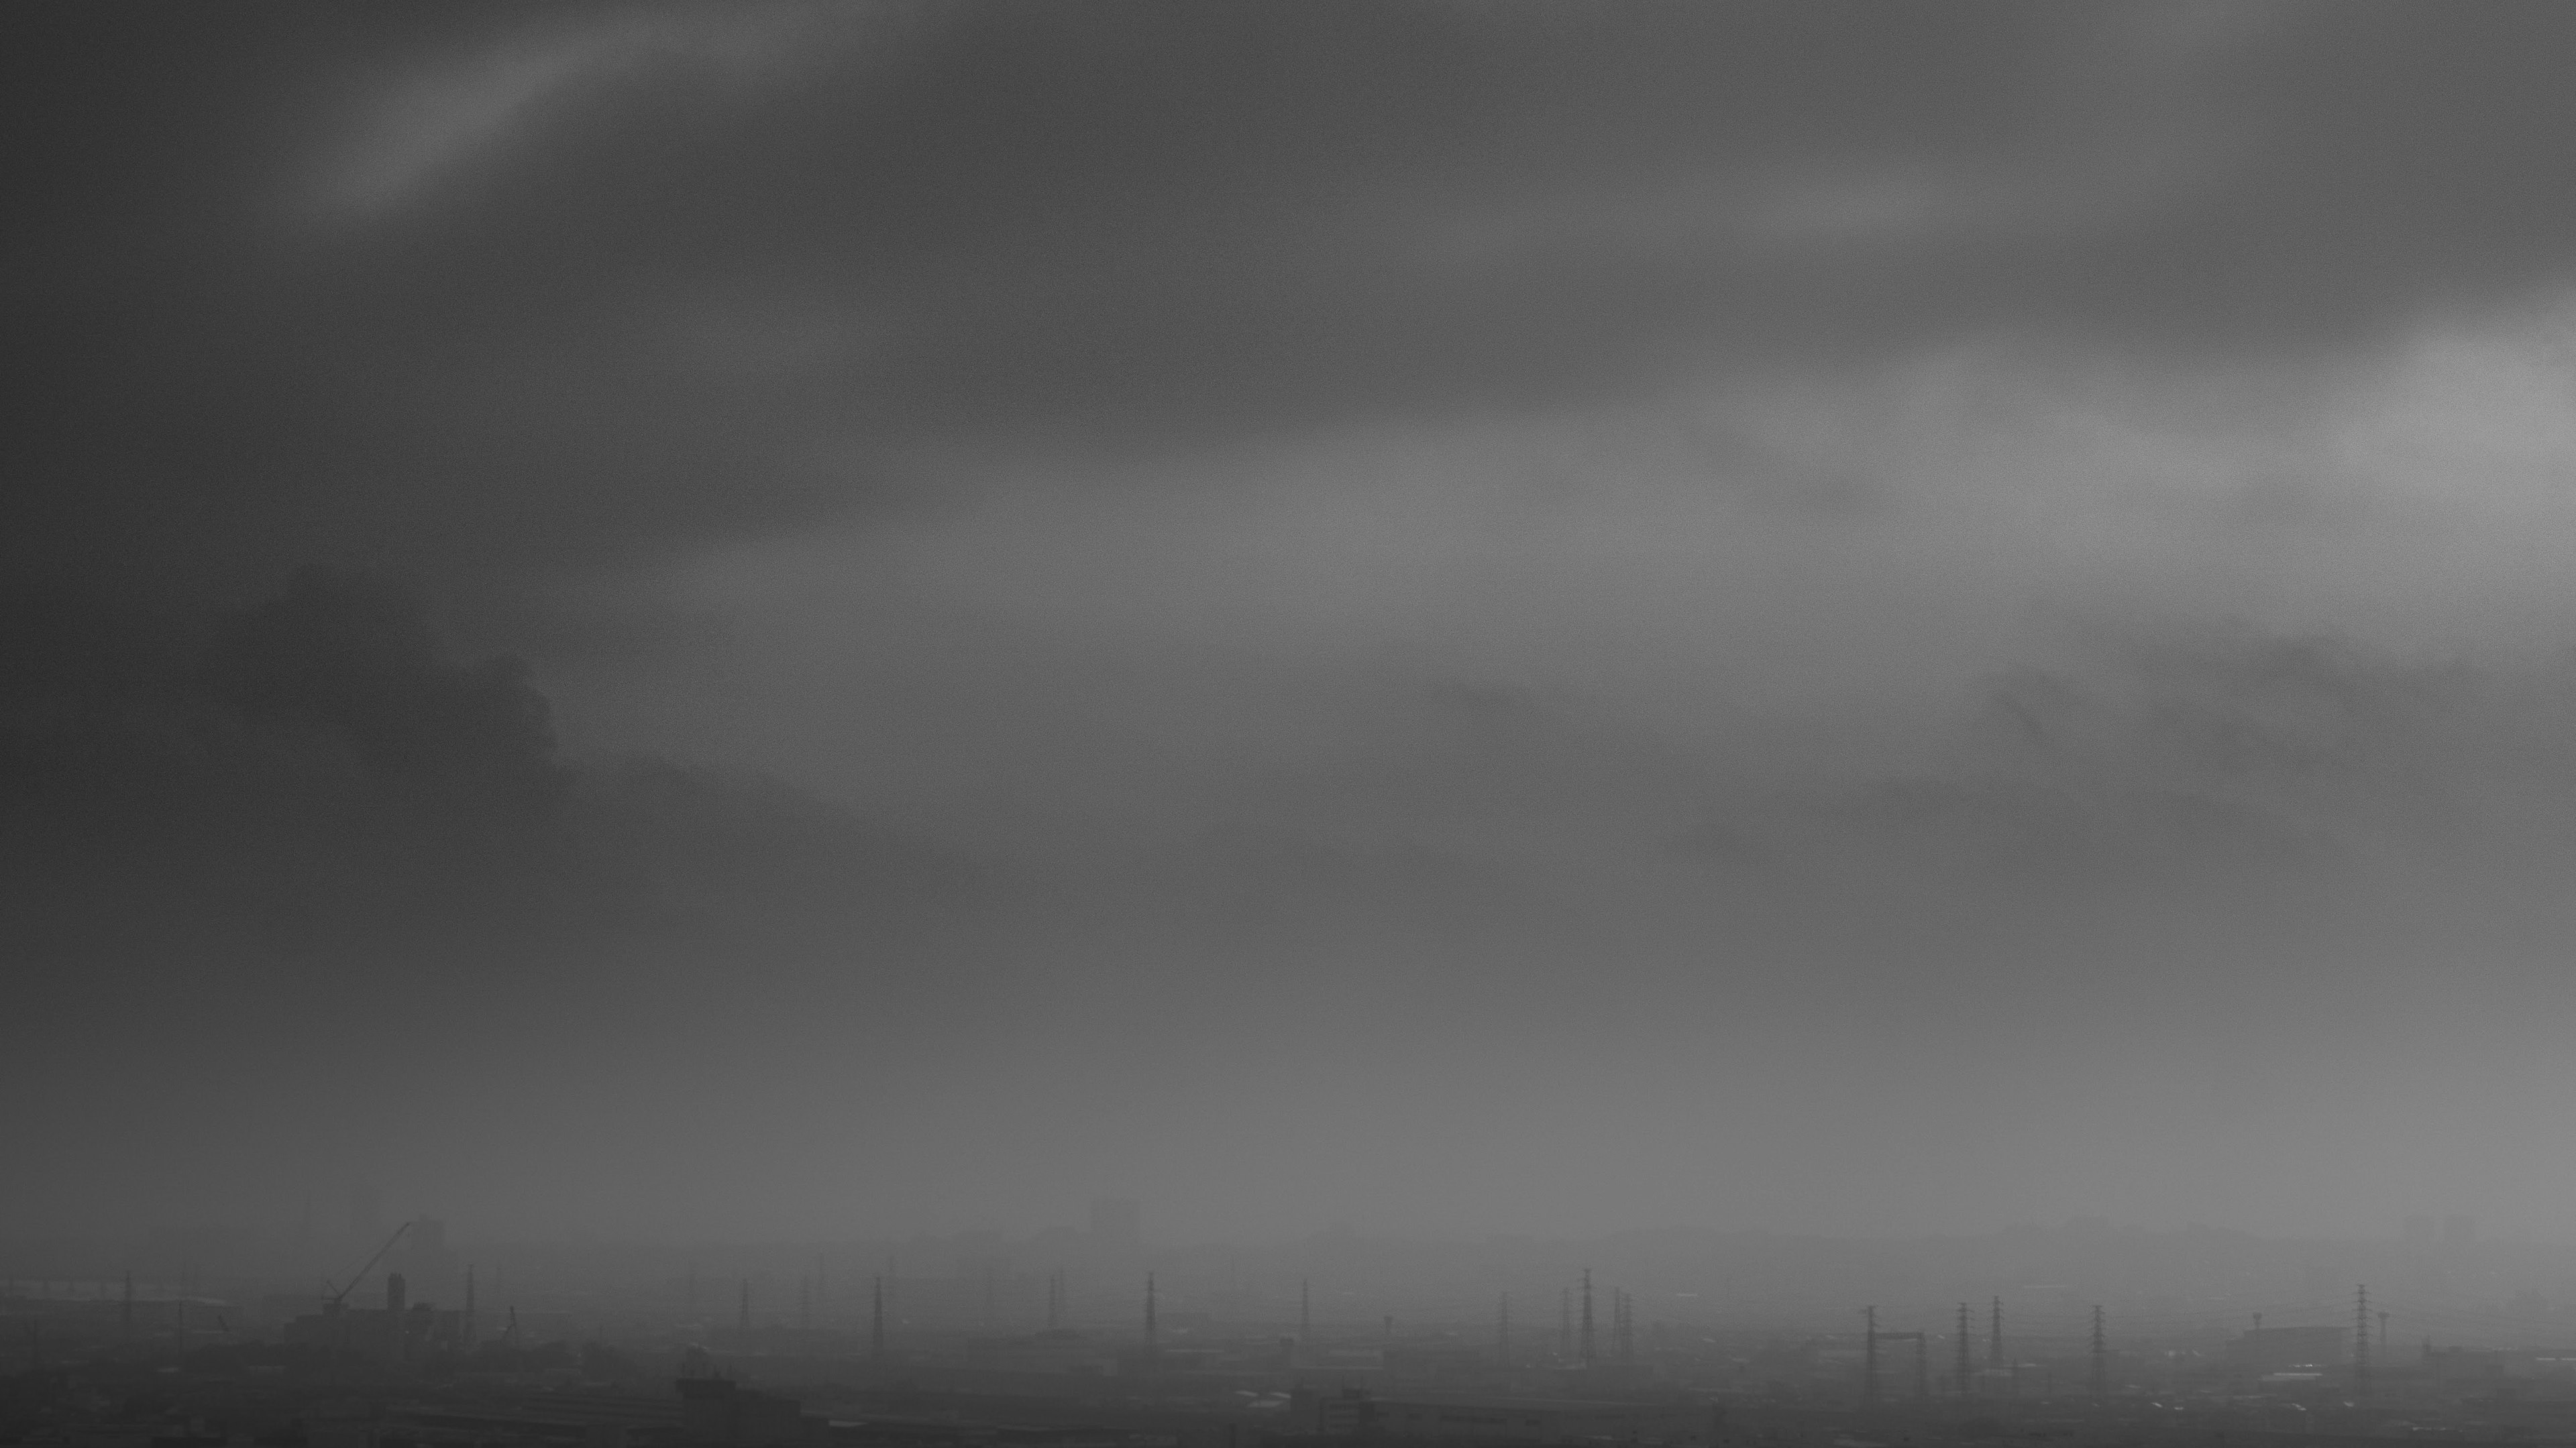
{"x":356,"y":1277}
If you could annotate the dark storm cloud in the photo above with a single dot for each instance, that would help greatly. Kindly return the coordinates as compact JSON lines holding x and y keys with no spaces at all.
{"x":313,"y":789}
{"x":1298,"y":492}
{"x":488,"y":291}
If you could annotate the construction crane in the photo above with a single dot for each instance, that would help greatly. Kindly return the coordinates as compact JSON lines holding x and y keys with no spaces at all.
{"x":336,"y":1298}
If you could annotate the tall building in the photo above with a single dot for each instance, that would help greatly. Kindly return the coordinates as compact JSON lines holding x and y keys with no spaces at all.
{"x":366,"y":1213}
{"x":1117,"y":1222}
{"x":424,"y":1253}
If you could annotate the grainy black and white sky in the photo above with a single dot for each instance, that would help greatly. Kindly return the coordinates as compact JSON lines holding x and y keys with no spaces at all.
{"x":1462,"y":618}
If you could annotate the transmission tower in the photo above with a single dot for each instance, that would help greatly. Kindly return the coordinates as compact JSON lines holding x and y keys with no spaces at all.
{"x":2361,"y":1345}
{"x":1995,"y":1334}
{"x":2101,"y":1359}
{"x":1586,"y":1353}
{"x":1963,"y":1350}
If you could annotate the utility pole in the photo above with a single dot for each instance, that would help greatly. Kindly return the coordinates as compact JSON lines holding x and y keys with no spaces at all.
{"x":1305,"y":1310}
{"x":804,"y":1304}
{"x":2101,"y":1359}
{"x":1503,"y":1331}
{"x":1869,"y":1355}
{"x":1565,"y":1324}
{"x":1995,"y":1331}
{"x":743,"y":1313}
{"x":1149,"y":1309}
{"x":876,"y":1316}
{"x":2361,"y":1345}
{"x":1963,"y":1350}
{"x":1587,"y":1317}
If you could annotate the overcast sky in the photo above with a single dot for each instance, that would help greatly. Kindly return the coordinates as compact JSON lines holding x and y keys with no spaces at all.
{"x":1457,"y":617}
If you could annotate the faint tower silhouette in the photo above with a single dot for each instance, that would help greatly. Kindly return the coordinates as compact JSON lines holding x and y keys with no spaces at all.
{"x":1149,"y":1308}
{"x":1962,"y":1385}
{"x":1117,"y":1224}
{"x":366,"y":1213}
{"x":1585,"y":1355}
{"x":397,"y":1340}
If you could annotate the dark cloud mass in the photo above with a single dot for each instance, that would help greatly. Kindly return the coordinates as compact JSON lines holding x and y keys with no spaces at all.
{"x":478,"y":289}
{"x":939,"y":609}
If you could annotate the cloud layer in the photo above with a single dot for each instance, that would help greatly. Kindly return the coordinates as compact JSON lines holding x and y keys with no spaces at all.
{"x":1334,"y":599}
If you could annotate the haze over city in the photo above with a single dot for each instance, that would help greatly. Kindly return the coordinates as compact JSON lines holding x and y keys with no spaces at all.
{"x":807,"y":624}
